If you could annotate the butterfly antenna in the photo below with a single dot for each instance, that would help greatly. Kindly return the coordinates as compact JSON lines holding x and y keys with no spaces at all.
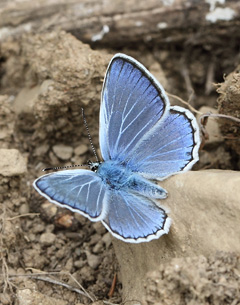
{"x":89,"y":136}
{"x":63,"y":167}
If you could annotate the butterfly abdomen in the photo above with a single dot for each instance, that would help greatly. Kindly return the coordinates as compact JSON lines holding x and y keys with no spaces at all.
{"x":145,"y":187}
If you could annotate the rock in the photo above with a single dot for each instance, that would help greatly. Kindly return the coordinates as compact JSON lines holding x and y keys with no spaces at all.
{"x":49,"y":209}
{"x":107,"y":239}
{"x":29,"y":296}
{"x":69,"y":264}
{"x":47,"y":239}
{"x":38,"y":228}
{"x":99,"y":228}
{"x":41,"y":150}
{"x":98,"y":247}
{"x":24,"y":208}
{"x":63,"y":152}
{"x":205,"y":214}
{"x":12,"y":163}
{"x":65,"y":220}
{"x":80,"y":149}
{"x":93,"y":260}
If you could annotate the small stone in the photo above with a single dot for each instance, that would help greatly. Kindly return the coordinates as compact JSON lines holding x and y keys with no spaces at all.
{"x":24,"y":209}
{"x":95,"y":238}
{"x":80,"y":149}
{"x":81,"y":219}
{"x":99,"y":228}
{"x":79,"y":264}
{"x":107,"y":239}
{"x":87,"y":273}
{"x":63,"y":152}
{"x":93,"y":260}
{"x":47,"y":239}
{"x":69,"y":265}
{"x":49,"y":209}
{"x":12,"y":163}
{"x":98,"y":247}
{"x":38,"y":228}
{"x":65,"y":221}
{"x":41,"y":150}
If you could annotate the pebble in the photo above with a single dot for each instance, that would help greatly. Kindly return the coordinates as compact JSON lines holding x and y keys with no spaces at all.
{"x":47,"y":239}
{"x":69,"y":265}
{"x":49,"y":209}
{"x":62,"y":151}
{"x":79,"y":264}
{"x":38,"y":228}
{"x":107,"y":239}
{"x":24,"y":209}
{"x":80,"y":149}
{"x":12,"y":163}
{"x":98,"y":247}
{"x":41,"y":150}
{"x":93,"y":260}
{"x":65,"y":221}
{"x":99,"y":228}
{"x":95,"y":238}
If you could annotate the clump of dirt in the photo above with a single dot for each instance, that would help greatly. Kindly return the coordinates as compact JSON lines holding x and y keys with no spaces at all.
{"x":196,"y":280}
{"x":228,"y":104}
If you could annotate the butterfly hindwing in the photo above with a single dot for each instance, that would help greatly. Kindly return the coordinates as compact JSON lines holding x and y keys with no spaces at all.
{"x":132,"y":103}
{"x":135,"y":218}
{"x":170,"y":147}
{"x":80,"y":191}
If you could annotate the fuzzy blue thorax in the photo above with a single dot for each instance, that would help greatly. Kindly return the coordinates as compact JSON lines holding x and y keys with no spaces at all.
{"x":118,"y":177}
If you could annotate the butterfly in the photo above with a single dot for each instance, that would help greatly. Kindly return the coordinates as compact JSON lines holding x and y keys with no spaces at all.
{"x":142,"y":139}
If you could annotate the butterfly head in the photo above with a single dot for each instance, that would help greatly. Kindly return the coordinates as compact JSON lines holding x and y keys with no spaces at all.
{"x":93,"y":165}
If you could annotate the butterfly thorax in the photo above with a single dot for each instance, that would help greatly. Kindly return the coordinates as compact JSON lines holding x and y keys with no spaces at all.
{"x":117,"y":177}
{"x":114,"y":175}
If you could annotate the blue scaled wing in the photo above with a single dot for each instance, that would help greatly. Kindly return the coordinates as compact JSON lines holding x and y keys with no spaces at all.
{"x":132,"y":103}
{"x":135,"y":218}
{"x":80,"y":191}
{"x":170,"y":147}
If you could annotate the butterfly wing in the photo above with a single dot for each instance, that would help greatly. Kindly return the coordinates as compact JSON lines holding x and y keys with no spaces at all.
{"x":80,"y":191}
{"x":135,"y":218}
{"x":139,"y":129}
{"x":170,"y":147}
{"x":132,"y":103}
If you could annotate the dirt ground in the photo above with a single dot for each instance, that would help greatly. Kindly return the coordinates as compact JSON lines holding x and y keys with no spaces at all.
{"x":52,"y":256}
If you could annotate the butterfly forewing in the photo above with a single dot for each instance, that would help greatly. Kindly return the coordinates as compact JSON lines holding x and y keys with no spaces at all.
{"x":132,"y":103}
{"x":80,"y":190}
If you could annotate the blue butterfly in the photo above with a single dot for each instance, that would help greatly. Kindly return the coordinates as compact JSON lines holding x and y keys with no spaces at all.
{"x":141,"y":138}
